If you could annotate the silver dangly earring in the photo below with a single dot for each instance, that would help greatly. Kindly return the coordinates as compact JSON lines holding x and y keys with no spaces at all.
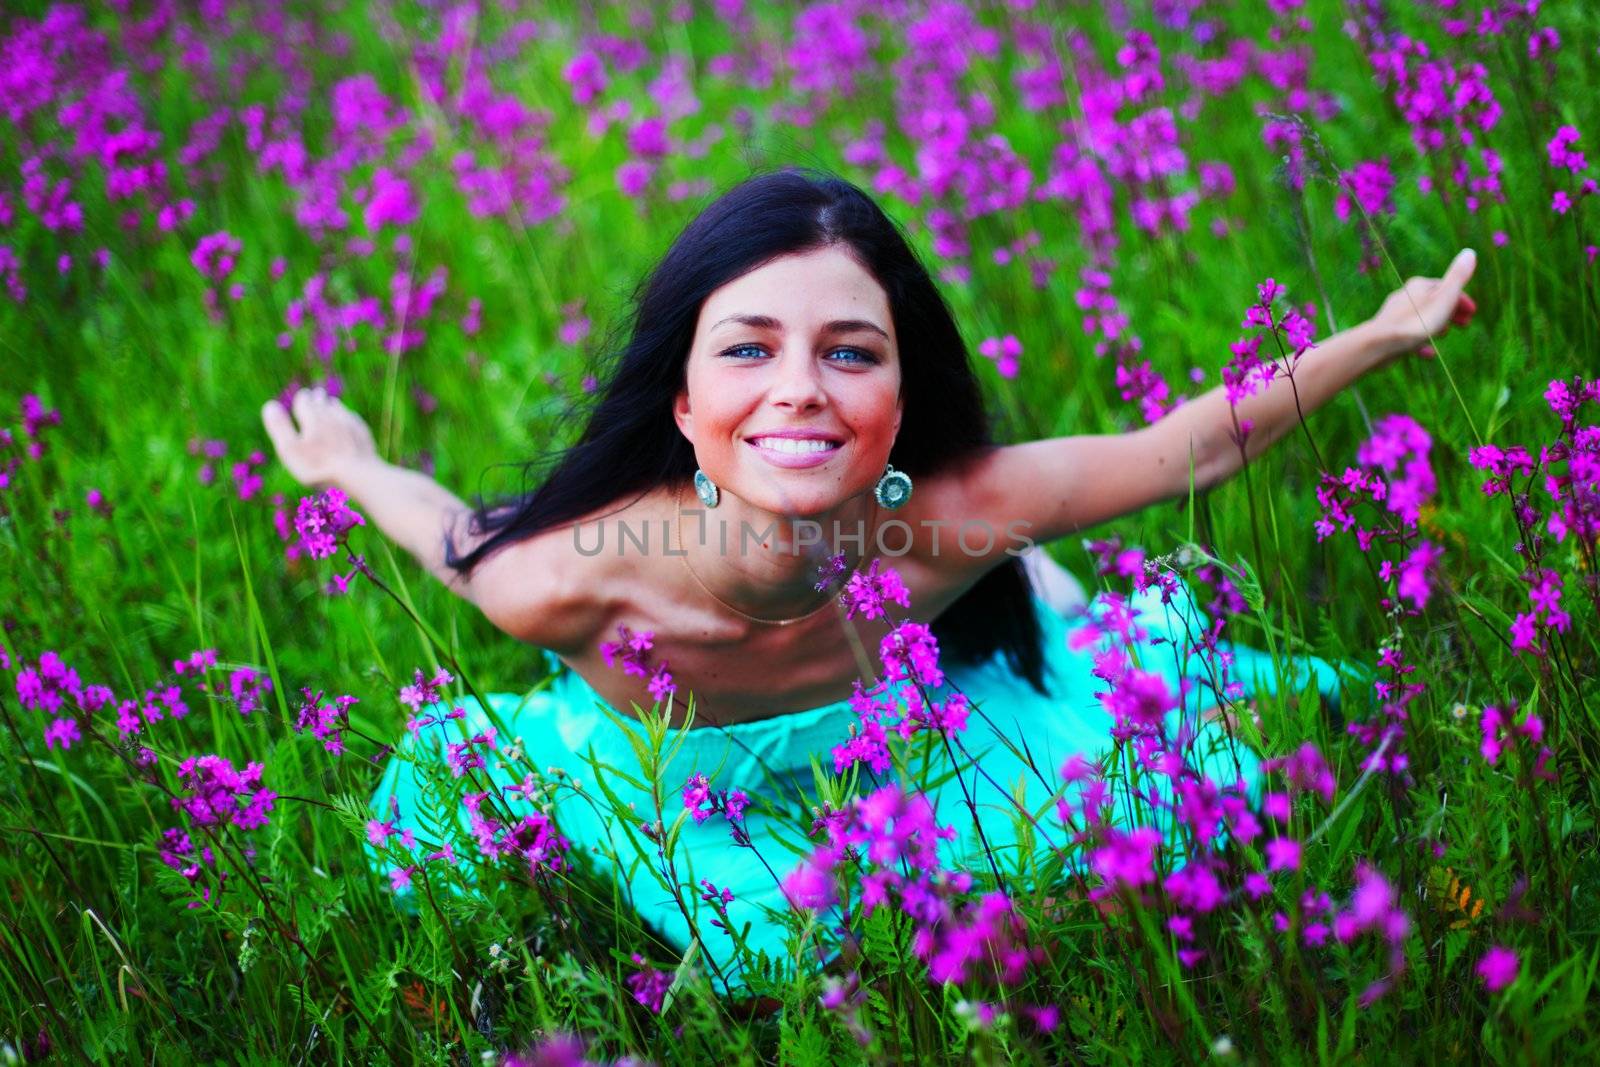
{"x":706,"y":489}
{"x":893,"y":489}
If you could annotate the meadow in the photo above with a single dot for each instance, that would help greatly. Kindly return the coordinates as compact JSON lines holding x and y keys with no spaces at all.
{"x":439,"y":212}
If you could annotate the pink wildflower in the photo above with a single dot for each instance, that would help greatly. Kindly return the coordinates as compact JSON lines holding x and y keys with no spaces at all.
{"x":322,"y":519}
{"x":648,"y":985}
{"x":1498,"y":968}
{"x":868,"y":593}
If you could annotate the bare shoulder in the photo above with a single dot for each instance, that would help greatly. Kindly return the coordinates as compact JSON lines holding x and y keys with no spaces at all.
{"x":547,"y":591}
{"x":954,"y":527}
{"x":1054,"y":487}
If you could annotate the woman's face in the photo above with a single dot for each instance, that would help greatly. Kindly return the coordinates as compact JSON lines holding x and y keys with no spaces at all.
{"x":792,"y":394}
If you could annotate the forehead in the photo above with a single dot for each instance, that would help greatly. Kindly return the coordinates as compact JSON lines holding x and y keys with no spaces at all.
{"x":801,"y":291}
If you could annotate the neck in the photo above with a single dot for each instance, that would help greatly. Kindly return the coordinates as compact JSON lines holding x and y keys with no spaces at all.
{"x":765,"y":563}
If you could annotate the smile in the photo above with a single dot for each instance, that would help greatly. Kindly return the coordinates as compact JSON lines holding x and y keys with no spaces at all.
{"x":795,"y":445}
{"x":794,"y":451}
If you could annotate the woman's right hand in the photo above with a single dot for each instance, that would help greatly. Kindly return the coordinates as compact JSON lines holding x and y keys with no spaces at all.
{"x":1423,"y":309}
{"x":322,"y":441}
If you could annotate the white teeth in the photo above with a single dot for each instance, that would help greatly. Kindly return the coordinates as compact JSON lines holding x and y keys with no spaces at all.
{"x":794,"y":445}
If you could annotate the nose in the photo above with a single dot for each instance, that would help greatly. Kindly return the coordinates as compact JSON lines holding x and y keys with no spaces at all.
{"x":797,"y":382}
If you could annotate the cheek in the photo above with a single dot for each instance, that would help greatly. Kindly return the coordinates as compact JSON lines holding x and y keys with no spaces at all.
{"x":718,"y":405}
{"x":873,"y":414}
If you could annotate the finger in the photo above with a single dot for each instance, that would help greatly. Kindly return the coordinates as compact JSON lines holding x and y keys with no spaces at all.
{"x":1466,"y":307}
{"x":304,"y":405}
{"x":276,"y":420}
{"x":1426,"y":352}
{"x":1461,"y":268}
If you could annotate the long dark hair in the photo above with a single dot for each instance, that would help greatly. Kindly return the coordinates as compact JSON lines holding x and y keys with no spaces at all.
{"x":631,"y":444}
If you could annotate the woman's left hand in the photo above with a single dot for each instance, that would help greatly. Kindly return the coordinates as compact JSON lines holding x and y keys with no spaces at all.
{"x":1425,"y":308}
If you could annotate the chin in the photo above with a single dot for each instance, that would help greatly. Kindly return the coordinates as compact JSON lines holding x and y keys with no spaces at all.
{"x":800,"y":498}
{"x":801,"y":504}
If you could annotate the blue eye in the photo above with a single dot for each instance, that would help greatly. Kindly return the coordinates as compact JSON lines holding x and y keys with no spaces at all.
{"x":849,"y":355}
{"x":860,"y":355}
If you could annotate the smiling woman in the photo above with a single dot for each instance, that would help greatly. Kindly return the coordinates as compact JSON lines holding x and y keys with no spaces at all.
{"x":789,"y":358}
{"x":778,"y":407}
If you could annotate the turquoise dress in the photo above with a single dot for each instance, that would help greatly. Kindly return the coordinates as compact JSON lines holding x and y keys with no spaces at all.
{"x":561,"y":725}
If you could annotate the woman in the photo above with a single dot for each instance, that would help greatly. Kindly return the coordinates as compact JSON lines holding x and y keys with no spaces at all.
{"x":794,"y":386}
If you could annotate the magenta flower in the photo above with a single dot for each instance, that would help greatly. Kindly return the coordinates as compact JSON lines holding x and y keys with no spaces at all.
{"x":215,"y":794}
{"x":947,"y":716}
{"x":696,"y":792}
{"x":988,"y":934}
{"x":868,"y":593}
{"x":632,"y":650}
{"x":1305,"y":769}
{"x":1005,"y":351}
{"x":888,"y":828}
{"x":62,"y":732}
{"x":198,"y":662}
{"x":1283,"y":854}
{"x":633,"y":177}
{"x":1498,"y":968}
{"x":730,"y":803}
{"x":216,"y":255}
{"x":1127,"y":860}
{"x":247,"y":686}
{"x":378,"y":833}
{"x":326,"y":721}
{"x":1373,"y":906}
{"x":587,"y":76}
{"x":868,"y":740}
{"x":1369,"y":185}
{"x":1562,"y":154}
{"x":390,"y":201}
{"x":421,"y":692}
{"x":464,"y":756}
{"x":661,"y":686}
{"x":910,"y":651}
{"x":54,"y":689}
{"x":648,"y":985}
{"x":649,"y":138}
{"x":1501,"y":734}
{"x":575,"y":325}
{"x":532,"y":837}
{"x":810,"y":885}
{"x":1414,"y":572}
{"x":322,"y":520}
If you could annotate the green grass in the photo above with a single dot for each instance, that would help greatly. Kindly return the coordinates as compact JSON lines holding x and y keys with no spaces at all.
{"x":307,"y":957}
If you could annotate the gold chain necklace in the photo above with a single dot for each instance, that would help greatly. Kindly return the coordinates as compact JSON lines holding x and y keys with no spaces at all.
{"x":683,"y":555}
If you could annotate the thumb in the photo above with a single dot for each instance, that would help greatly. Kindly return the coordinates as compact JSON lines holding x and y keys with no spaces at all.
{"x":1461,"y":268}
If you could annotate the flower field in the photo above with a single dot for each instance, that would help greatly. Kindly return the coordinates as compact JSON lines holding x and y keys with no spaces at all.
{"x":439,"y":213}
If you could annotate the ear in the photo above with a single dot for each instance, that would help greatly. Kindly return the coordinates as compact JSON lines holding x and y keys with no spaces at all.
{"x":682,"y":415}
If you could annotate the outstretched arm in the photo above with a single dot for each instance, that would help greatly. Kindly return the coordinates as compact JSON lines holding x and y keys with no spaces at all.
{"x":1411,"y":317}
{"x":327,"y":444}
{"x":538,"y":591}
{"x":1062,"y":485}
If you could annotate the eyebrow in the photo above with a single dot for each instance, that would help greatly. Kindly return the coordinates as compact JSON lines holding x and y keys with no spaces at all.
{"x":767,"y":322}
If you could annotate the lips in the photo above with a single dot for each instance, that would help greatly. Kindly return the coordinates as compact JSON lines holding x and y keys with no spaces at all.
{"x":794,"y":450}
{"x":795,"y":445}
